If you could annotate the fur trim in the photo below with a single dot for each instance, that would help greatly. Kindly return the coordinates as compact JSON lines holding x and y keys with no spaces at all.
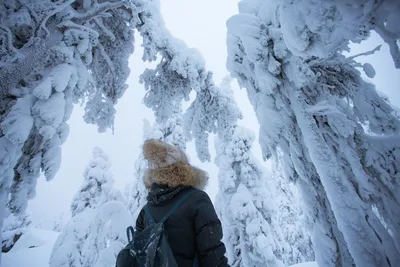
{"x":160,"y":154}
{"x":169,"y":165}
{"x":177,"y":174}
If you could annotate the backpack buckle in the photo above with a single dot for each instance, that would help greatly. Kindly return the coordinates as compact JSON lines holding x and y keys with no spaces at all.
{"x":132,"y":252}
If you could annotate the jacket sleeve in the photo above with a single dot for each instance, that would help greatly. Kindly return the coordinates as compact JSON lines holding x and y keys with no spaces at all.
{"x":140,"y":221}
{"x":211,"y":250}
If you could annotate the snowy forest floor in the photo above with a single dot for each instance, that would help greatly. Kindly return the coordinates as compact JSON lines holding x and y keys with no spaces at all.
{"x":33,"y":249}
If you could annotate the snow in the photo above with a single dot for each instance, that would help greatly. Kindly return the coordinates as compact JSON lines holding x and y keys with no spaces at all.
{"x":338,"y":135}
{"x":33,"y":249}
{"x":18,"y":123}
{"x":306,"y":264}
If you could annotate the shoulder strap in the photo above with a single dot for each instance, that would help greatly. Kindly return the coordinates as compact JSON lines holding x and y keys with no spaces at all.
{"x":148,"y":214}
{"x":176,"y":205}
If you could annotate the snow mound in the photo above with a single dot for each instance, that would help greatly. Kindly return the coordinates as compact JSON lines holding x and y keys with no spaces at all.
{"x":33,"y":249}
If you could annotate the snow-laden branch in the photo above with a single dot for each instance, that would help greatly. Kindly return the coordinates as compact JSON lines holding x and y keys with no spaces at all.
{"x":104,"y":29}
{"x":9,"y":38}
{"x":70,"y":24}
{"x":59,"y":6}
{"x":391,"y":41}
{"x":322,"y":108}
{"x":98,"y":9}
{"x":32,"y":55}
{"x":106,"y":58}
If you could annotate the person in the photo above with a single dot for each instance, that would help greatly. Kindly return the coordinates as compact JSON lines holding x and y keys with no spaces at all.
{"x":194,"y":230}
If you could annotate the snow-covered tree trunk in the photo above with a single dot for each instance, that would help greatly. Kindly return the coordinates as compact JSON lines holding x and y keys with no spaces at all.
{"x":368,"y":246}
{"x":338,"y":135}
{"x":52,"y":54}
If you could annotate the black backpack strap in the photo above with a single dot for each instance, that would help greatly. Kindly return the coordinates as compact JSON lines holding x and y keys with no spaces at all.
{"x":176,"y":205}
{"x":148,"y":214}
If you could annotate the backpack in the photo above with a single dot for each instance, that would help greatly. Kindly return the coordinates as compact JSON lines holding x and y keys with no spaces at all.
{"x":150,"y":247}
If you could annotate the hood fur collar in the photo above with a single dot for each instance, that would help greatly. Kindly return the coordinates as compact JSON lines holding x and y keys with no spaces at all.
{"x":176,"y":172}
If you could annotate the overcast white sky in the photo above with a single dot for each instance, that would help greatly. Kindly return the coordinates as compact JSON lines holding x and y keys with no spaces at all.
{"x":201,"y":27}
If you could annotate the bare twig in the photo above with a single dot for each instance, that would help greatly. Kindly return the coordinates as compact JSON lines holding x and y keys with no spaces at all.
{"x":371,"y":52}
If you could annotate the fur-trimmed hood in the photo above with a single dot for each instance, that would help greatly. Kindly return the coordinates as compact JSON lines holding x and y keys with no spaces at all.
{"x":169,"y":165}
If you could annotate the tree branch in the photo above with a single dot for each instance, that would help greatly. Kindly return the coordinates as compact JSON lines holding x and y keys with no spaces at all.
{"x":9,"y":38}
{"x":366,"y":53}
{"x":96,"y":10}
{"x":106,"y":58}
{"x":391,"y":40}
{"x":52,"y":11}
{"x":106,"y":31}
{"x":72,"y":25}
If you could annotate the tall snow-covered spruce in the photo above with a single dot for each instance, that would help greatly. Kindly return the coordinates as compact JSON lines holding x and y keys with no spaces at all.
{"x":246,"y":206}
{"x":54,"y":54}
{"x":180,"y":71}
{"x":252,"y":235}
{"x":99,"y":218}
{"x":339,"y":137}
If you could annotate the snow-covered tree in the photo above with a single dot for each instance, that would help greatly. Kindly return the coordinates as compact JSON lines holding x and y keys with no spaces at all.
{"x":340,"y":139}
{"x":96,"y":184}
{"x":107,"y":234}
{"x":54,"y":54}
{"x":68,"y":248}
{"x":252,"y":236}
{"x":59,"y":223}
{"x":71,"y":247}
{"x":244,"y":202}
{"x":136,"y":192}
{"x":178,"y":72}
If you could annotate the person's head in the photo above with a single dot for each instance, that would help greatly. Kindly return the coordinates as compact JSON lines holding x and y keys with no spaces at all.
{"x":169,"y":165}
